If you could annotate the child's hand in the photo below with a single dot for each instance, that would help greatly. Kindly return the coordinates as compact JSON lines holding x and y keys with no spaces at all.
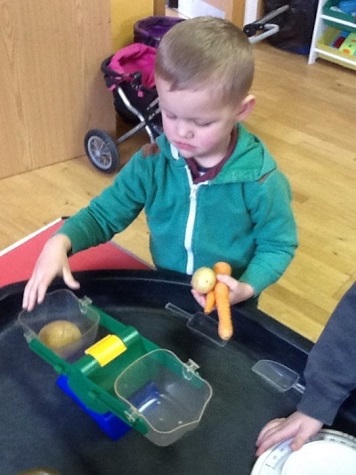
{"x":52,"y":262}
{"x":239,"y":291}
{"x":200,"y":298}
{"x":299,"y":427}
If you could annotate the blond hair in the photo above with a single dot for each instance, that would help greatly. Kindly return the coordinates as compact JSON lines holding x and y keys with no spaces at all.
{"x":207,"y":52}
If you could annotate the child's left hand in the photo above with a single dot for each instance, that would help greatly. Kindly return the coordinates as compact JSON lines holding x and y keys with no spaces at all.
{"x":239,"y":291}
{"x":298,"y":426}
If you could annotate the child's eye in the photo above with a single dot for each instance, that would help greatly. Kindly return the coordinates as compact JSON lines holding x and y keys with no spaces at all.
{"x":202,"y":124}
{"x":169,"y":116}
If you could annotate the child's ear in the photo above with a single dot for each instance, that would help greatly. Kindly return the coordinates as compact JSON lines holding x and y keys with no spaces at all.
{"x":245,"y":108}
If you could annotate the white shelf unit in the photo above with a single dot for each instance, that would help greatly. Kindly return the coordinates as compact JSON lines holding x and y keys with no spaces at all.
{"x":318,"y":49}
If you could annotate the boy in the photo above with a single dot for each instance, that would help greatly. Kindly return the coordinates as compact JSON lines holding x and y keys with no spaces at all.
{"x":210,"y":189}
{"x":330,"y":376}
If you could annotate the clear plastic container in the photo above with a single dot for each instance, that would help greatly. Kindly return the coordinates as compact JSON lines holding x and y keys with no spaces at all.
{"x":63,"y":305}
{"x":168,"y":395}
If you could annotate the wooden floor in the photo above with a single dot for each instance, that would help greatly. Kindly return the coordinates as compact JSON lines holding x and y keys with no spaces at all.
{"x":306,"y":115}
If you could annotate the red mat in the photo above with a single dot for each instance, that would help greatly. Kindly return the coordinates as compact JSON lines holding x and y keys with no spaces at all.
{"x":18,"y":260}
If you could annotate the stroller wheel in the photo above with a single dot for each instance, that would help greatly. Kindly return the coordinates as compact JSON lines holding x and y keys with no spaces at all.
{"x":101,"y":150}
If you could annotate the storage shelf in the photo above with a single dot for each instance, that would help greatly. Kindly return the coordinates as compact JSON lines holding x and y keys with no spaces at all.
{"x":332,"y":19}
{"x":326,"y":25}
{"x":336,"y":59}
{"x":325,"y":51}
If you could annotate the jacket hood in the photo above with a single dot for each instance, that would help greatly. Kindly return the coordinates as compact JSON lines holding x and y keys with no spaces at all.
{"x":249,"y":161}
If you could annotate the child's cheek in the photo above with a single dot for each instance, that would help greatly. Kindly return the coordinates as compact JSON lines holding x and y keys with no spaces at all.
{"x":207,"y":138}
{"x":167,"y":127}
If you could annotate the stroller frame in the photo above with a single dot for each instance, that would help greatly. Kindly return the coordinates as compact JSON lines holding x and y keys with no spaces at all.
{"x":100,"y":147}
{"x":145,"y":121}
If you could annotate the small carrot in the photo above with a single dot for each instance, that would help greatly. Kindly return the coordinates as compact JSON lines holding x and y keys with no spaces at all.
{"x":222,"y":301}
{"x":217,"y":296}
{"x":222,"y":268}
{"x":225,"y":328}
{"x":209,"y":301}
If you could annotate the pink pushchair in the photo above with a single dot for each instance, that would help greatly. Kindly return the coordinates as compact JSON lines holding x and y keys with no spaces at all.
{"x":129,"y":75}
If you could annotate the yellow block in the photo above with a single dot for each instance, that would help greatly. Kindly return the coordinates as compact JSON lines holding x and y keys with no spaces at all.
{"x":107,"y":349}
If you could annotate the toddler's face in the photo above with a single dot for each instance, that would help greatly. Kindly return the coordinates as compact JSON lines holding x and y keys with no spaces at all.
{"x":194,"y":124}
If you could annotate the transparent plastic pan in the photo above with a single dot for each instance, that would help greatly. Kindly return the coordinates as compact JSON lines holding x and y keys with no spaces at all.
{"x":279,"y":376}
{"x":166,"y":394}
{"x":199,"y":323}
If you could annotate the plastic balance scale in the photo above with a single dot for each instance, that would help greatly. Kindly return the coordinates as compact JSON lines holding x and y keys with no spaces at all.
{"x":150,"y":389}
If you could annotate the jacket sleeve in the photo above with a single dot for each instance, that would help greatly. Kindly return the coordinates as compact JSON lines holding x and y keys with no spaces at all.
{"x":274,"y":230}
{"x":110,"y":212}
{"x":330,"y":373}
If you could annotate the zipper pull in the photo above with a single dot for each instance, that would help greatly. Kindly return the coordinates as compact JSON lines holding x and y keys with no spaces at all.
{"x":193,"y":192}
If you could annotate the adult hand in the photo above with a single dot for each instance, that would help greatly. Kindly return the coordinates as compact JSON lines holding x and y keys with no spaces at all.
{"x":298,"y":426}
{"x":52,"y":262}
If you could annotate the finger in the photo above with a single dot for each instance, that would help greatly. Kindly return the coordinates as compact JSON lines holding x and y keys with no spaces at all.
{"x":269,"y":442}
{"x":30,"y":295}
{"x":69,"y":280}
{"x":270,"y":426}
{"x":272,"y":435}
{"x":27,"y":301}
{"x":277,"y":435}
{"x":41,"y":293}
{"x":304,"y":434}
{"x":299,"y":441}
{"x":25,"y":297}
{"x":227,"y":279}
{"x":42,"y":289}
{"x":198,"y":297}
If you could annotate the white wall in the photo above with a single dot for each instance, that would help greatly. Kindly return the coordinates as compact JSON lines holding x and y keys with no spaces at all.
{"x":194,"y":8}
{"x":251,"y":11}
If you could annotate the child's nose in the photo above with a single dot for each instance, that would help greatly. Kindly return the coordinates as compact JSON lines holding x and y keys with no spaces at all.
{"x":184,"y":130}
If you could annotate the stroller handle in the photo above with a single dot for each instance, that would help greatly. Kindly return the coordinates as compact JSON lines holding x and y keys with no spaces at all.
{"x":113,"y":78}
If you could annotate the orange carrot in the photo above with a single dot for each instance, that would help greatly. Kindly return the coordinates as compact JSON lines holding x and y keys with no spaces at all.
{"x":225,"y":328}
{"x":209,"y":301}
{"x":222,"y":268}
{"x":222,"y":301}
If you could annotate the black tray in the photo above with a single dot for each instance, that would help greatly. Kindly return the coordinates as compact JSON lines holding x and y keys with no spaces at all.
{"x":43,"y":426}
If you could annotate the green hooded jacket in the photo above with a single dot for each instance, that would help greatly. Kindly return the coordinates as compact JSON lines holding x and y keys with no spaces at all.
{"x":242,"y":216}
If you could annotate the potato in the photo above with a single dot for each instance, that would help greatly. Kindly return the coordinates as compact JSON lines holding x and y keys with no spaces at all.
{"x":59,"y":333}
{"x":39,"y":471}
{"x":203,"y":280}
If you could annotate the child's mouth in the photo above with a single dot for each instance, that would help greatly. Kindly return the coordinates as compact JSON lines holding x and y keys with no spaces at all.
{"x":184,"y":146}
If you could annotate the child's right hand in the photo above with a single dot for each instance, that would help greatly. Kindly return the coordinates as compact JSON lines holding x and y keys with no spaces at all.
{"x":52,"y":262}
